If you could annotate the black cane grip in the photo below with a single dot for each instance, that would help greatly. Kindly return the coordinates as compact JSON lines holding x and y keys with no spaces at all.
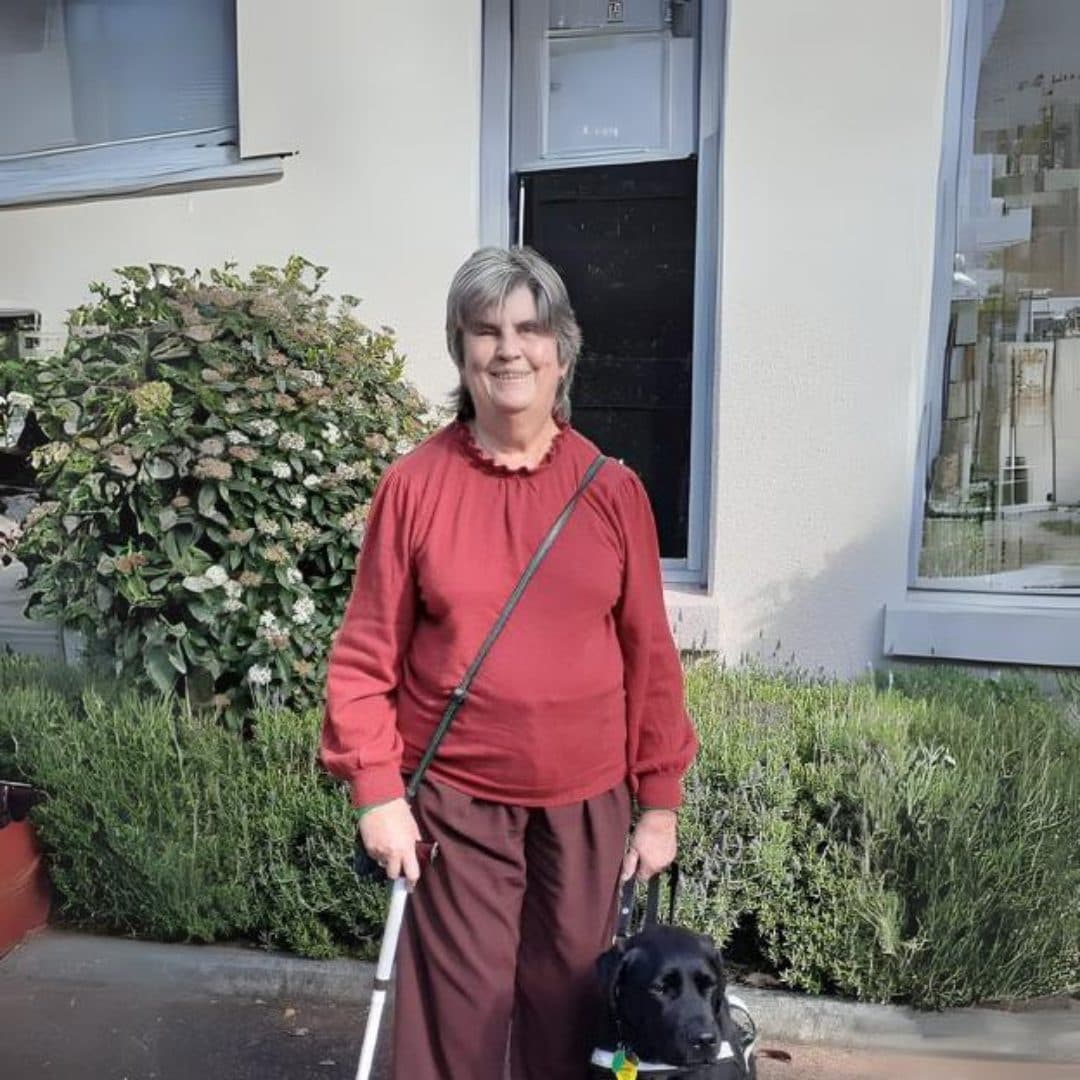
{"x":364,"y":866}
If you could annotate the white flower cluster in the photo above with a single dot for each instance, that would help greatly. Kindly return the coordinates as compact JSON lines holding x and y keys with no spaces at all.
{"x":311,"y":481}
{"x":234,"y":407}
{"x":237,"y":438}
{"x":332,"y":434}
{"x":265,"y":428}
{"x":259,"y":675}
{"x":266,"y":526}
{"x":281,"y":470}
{"x":303,"y":609}
{"x":292,"y":440}
{"x":297,"y":500}
{"x":312,"y":378}
{"x":293,"y":576}
{"x":217,"y":576}
{"x":344,"y":471}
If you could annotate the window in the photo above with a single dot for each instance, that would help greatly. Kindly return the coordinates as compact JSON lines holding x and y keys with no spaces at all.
{"x":1001,"y":508}
{"x":608,"y":148}
{"x":108,"y":96}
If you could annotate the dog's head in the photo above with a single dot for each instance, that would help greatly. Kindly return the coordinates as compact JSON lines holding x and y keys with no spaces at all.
{"x":664,"y":990}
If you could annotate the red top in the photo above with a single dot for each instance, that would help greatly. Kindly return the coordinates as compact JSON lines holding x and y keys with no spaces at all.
{"x":582,"y":689}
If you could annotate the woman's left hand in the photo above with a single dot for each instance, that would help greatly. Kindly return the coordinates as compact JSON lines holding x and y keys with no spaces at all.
{"x":652,"y":845}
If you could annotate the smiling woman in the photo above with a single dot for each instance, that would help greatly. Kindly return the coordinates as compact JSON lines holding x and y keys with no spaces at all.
{"x":578,"y":709}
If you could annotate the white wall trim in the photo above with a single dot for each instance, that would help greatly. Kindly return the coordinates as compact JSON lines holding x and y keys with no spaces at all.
{"x":952,"y":127}
{"x":495,"y":123}
{"x":983,"y":628}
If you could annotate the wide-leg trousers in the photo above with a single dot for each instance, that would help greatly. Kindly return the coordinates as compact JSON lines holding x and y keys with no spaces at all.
{"x":501,"y":936}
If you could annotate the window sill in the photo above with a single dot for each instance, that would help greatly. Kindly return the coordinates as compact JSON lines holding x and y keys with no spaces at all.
{"x":252,"y":170}
{"x":984,"y":628}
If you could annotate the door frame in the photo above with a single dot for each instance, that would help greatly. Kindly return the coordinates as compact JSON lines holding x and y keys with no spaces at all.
{"x":498,"y":206}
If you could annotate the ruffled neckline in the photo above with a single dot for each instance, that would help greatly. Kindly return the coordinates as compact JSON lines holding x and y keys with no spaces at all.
{"x":483,"y":459}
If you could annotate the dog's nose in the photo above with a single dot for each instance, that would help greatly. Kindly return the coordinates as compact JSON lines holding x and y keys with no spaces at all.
{"x":705,"y":1040}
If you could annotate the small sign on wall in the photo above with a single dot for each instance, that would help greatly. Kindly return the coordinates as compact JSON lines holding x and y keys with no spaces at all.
{"x":614,"y":11}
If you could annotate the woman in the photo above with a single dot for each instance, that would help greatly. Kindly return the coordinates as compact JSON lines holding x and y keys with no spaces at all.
{"x":577,"y":712}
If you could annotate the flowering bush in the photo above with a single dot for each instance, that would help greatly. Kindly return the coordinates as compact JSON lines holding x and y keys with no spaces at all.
{"x":213,"y":449}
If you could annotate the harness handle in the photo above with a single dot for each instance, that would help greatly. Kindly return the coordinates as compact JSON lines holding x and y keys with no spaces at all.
{"x":628,"y":898}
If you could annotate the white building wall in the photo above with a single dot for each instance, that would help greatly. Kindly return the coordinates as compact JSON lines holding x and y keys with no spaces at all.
{"x":832,"y":140}
{"x":385,"y":110}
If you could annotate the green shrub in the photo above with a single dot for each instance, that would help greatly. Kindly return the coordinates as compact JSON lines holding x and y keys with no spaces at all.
{"x":214,"y":446}
{"x":913,"y":845}
{"x":162,"y":824}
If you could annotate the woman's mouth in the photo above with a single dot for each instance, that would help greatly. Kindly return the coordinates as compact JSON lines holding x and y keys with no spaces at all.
{"x":510,"y":376}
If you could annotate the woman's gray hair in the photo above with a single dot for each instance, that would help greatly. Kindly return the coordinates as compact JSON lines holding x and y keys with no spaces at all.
{"x":483,"y":282}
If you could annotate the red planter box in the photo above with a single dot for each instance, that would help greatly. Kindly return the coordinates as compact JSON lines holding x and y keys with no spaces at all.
{"x":24,"y":887}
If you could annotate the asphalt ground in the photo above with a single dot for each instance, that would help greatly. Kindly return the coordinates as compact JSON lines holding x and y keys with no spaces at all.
{"x":66,"y":1031}
{"x":86,"y":1006}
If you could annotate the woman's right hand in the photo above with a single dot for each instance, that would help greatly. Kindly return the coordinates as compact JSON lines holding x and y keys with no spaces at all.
{"x":390,"y":834}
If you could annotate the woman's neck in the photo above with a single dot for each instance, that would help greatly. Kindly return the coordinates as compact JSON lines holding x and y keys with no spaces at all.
{"x":515,"y":441}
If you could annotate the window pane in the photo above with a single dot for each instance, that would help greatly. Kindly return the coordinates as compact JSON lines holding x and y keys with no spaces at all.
{"x":1003,"y":501}
{"x":605,"y":94}
{"x":77,"y":73}
{"x":149,"y":67}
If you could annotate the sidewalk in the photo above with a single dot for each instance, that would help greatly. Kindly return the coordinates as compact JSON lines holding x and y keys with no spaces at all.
{"x":79,"y":1006}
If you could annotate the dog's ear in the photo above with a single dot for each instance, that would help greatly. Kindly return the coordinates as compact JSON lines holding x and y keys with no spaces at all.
{"x":611,"y":967}
{"x":716,"y":962}
{"x":607,"y":968}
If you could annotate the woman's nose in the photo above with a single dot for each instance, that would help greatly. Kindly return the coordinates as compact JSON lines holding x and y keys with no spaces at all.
{"x":509,"y":344}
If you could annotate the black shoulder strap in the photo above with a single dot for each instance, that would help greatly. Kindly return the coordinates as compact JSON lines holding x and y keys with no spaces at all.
{"x":461,"y":691}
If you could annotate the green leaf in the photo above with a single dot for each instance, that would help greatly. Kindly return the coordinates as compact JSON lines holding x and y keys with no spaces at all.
{"x":160,"y":669}
{"x":160,"y":469}
{"x":207,"y":499}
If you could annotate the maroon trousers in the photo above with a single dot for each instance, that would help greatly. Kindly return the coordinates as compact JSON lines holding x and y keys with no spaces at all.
{"x":501,"y":936}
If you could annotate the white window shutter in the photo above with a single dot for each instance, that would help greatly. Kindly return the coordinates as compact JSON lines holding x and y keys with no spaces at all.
{"x":267,"y":32}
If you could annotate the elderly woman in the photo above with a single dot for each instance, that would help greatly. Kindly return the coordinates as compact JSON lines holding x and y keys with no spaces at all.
{"x":575,"y":721}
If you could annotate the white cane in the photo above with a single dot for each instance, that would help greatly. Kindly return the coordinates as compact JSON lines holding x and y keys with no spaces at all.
{"x":398,"y":896}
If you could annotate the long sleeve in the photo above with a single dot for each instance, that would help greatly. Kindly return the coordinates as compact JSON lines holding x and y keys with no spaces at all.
{"x":661,"y":739}
{"x":360,"y":739}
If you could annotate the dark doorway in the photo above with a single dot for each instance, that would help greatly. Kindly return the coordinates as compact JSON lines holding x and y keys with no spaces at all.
{"x":623,"y":237}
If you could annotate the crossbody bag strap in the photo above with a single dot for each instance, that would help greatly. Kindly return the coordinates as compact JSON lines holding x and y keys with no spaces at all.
{"x":461,"y":691}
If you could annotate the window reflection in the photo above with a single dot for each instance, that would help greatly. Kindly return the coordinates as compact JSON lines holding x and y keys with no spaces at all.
{"x":1003,"y":499}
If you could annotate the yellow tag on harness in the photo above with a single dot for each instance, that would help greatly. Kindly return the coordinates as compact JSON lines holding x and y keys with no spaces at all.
{"x":623,"y":1065}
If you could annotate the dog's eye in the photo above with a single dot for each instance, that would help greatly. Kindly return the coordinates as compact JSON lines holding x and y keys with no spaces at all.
{"x":706,"y":984}
{"x":667,"y":986}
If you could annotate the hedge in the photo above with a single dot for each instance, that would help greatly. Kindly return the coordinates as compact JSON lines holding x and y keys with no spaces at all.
{"x":914,"y":843}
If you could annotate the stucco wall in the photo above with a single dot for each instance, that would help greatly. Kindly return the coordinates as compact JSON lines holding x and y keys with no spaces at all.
{"x":832,"y":136}
{"x":386,"y":102}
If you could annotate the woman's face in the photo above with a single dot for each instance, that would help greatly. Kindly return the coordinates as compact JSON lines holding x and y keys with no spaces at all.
{"x":511,"y":365}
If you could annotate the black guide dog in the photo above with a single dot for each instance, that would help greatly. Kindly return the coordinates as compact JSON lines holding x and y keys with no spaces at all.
{"x":666,"y":1006}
